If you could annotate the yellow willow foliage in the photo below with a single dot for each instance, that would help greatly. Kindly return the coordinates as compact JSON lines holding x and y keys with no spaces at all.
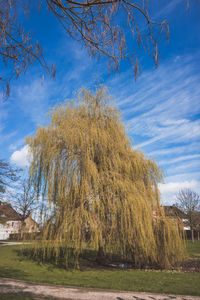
{"x":101,"y":191}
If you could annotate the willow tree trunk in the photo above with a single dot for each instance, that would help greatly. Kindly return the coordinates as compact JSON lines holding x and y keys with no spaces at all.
{"x":101,"y":257}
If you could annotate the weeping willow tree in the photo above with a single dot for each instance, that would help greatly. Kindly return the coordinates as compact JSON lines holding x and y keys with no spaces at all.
{"x":101,"y":191}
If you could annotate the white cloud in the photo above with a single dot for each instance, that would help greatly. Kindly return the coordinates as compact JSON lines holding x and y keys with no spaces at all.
{"x":174,"y":187}
{"x":170,"y":190}
{"x":21,"y":157}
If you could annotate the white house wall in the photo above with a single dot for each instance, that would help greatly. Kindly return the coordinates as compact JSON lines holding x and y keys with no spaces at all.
{"x":8,"y":228}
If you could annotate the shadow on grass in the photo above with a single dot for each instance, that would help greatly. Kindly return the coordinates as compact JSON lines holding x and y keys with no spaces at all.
{"x":12,"y":273}
{"x":87,"y":260}
{"x":55,"y":257}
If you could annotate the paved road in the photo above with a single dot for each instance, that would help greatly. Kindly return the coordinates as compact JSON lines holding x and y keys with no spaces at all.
{"x":9,"y":286}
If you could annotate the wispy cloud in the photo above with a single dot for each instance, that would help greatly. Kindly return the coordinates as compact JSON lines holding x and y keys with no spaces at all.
{"x":183,"y":176}
{"x":17,"y":144}
{"x":35,"y":95}
{"x":179,"y":159}
{"x":162,"y":109}
{"x":191,"y":166}
{"x":168,"y":8}
{"x":162,"y":115}
{"x":33,"y":99}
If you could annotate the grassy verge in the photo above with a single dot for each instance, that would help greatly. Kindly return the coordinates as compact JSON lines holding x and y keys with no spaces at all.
{"x":193,"y":249}
{"x":14,"y":266}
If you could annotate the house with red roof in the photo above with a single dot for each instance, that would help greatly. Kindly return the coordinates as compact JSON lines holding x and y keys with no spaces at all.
{"x":12,"y":223}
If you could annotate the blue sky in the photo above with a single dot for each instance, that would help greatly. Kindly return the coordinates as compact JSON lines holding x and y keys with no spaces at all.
{"x":161,"y":110}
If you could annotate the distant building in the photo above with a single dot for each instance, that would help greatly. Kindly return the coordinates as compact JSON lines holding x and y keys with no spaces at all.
{"x":30,"y":225}
{"x":175,"y":213}
{"x":11,"y":222}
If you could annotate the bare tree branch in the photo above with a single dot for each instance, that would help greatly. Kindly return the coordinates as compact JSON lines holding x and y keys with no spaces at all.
{"x":23,"y":199}
{"x":189,"y":201}
{"x":8,"y":174}
{"x":17,"y":51}
{"x":94,"y":23}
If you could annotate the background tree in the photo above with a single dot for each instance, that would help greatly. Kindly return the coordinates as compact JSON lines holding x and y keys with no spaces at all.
{"x":97,"y":24}
{"x":189,"y":202}
{"x":101,"y":192}
{"x":8,"y":174}
{"x":23,"y":199}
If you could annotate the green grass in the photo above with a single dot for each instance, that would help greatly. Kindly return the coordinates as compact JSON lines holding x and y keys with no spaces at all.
{"x":193,"y":248}
{"x":14,"y":266}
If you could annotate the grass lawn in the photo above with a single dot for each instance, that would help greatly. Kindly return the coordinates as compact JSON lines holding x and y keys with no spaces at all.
{"x":193,"y":248}
{"x":14,"y":266}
